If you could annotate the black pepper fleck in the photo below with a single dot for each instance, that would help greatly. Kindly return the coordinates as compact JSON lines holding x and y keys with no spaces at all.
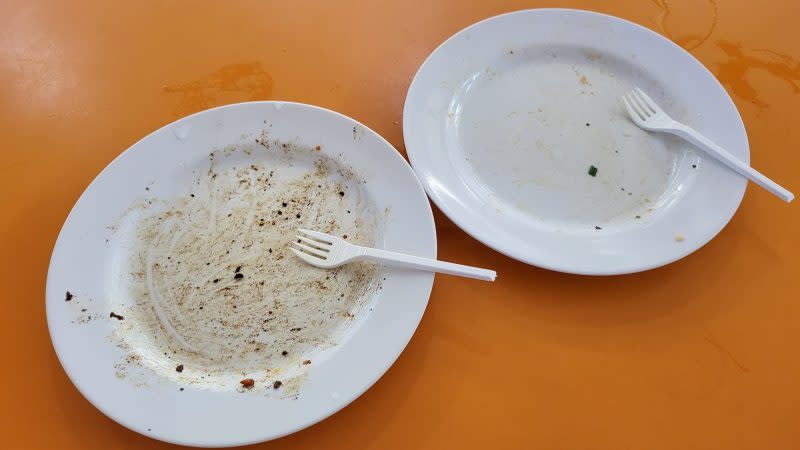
{"x":179,"y":368}
{"x":68,"y":297}
{"x":238,"y":276}
{"x":276,"y":384}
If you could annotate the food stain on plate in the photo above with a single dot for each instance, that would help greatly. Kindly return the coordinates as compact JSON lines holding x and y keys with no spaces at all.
{"x":210,"y":286}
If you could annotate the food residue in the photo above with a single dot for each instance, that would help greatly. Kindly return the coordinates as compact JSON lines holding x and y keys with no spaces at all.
{"x":223,"y":326}
{"x":69,"y":296}
{"x":115,"y":316}
{"x":248,"y":383}
{"x":592,"y":170}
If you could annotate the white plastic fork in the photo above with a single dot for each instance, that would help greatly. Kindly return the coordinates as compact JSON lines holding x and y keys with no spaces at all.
{"x":326,"y":251}
{"x":648,"y":115}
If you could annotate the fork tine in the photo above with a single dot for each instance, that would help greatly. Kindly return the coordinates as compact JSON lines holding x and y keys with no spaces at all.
{"x":322,"y":237}
{"x":631,"y":112}
{"x":313,"y":243}
{"x":309,"y":249}
{"x":643,"y":115}
{"x":649,"y":101}
{"x":313,"y":260}
{"x":638,"y":101}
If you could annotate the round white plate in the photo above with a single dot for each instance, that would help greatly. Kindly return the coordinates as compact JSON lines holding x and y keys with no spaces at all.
{"x":504,"y":120}
{"x":83,"y":262}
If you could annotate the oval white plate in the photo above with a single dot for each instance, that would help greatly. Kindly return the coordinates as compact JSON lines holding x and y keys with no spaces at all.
{"x":83,"y":263}
{"x":503,"y":121}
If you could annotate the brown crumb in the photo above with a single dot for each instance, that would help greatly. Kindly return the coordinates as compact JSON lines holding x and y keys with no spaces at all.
{"x":345,"y":236}
{"x":306,"y":362}
{"x":276,"y":384}
{"x":179,"y":368}
{"x":341,"y":193}
{"x":318,"y":148}
{"x":248,"y":383}
{"x":116,"y":316}
{"x":69,"y":296}
{"x":284,"y":353}
{"x":238,"y":276}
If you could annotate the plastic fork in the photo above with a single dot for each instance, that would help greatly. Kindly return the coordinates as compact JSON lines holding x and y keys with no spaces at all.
{"x":648,"y":115}
{"x":326,"y":251}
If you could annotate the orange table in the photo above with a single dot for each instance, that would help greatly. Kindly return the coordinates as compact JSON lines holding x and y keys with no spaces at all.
{"x":697,"y":355}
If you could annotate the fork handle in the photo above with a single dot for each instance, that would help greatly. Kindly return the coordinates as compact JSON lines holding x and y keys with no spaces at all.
{"x":731,"y":161}
{"x":431,"y":265}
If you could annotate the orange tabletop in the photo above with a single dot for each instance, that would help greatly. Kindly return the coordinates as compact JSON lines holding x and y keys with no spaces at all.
{"x":696,"y":355}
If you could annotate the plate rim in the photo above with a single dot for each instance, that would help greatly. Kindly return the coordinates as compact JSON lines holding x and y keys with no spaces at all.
{"x":427,"y":218}
{"x":475,"y":232}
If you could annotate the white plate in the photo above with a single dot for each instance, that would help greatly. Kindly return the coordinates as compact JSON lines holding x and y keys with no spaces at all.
{"x":86,"y":264}
{"x":503,"y":121}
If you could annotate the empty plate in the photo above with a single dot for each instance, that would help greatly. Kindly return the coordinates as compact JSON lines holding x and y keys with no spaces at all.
{"x":515,"y":127}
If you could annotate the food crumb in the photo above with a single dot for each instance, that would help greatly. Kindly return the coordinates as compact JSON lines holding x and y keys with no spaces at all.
{"x":68,"y":297}
{"x":592,"y":170}
{"x":179,"y":368}
{"x":306,"y":362}
{"x":248,"y":383}
{"x":277,"y":384}
{"x":341,"y":193}
{"x":597,"y":228}
{"x":638,"y":217}
{"x":679,"y":238}
{"x":284,"y":353}
{"x":181,"y":389}
{"x":238,"y":276}
{"x":116,"y":316}
{"x":694,"y":166}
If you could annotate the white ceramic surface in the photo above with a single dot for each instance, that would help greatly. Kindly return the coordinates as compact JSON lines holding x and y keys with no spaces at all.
{"x":504,"y":120}
{"x":83,"y":263}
